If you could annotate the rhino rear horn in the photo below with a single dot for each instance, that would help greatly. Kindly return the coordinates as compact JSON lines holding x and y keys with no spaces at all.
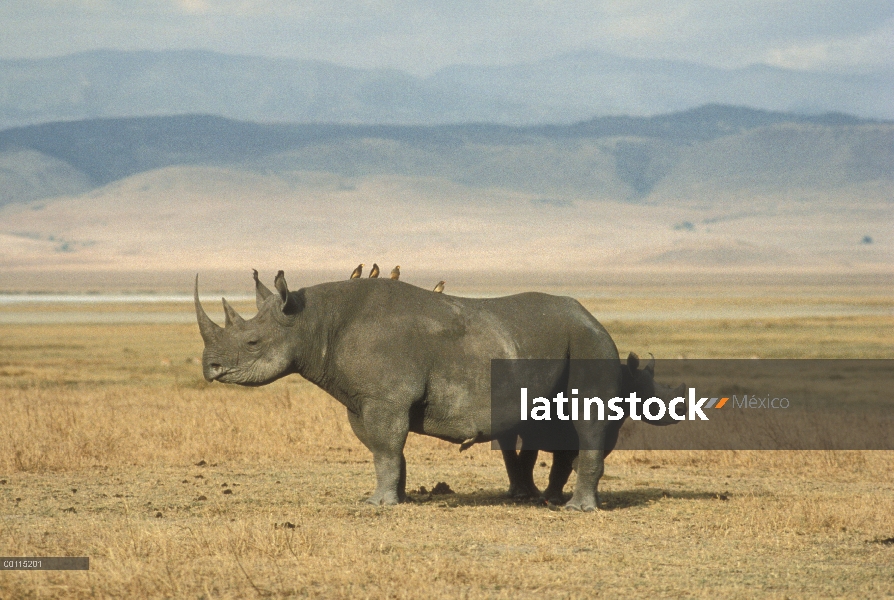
{"x":209,"y":329}
{"x":651,"y":366}
{"x":261,"y":291}
{"x":289,"y":304}
{"x":231,"y":315}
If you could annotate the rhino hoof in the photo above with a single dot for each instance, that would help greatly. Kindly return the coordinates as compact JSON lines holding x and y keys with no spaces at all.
{"x":523,"y":493}
{"x":553,"y":496}
{"x":382,"y":501}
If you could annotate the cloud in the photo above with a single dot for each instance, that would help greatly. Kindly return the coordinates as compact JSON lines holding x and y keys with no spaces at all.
{"x":871,"y":50}
{"x":193,"y":7}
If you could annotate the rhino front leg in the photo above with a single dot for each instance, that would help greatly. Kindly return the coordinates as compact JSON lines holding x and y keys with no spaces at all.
{"x":385,"y":436}
{"x":391,"y":479}
{"x":590,"y":467}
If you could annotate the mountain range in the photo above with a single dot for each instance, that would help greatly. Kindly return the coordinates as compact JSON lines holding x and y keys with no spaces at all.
{"x":564,"y":89}
{"x":716,"y":187}
{"x":622,"y":158}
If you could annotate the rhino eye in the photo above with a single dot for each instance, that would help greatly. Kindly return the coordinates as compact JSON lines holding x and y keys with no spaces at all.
{"x":252,"y":342}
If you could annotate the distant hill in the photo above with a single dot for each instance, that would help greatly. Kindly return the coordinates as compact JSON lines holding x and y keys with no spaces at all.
{"x":719,"y":148}
{"x":29,"y":175}
{"x":205,"y":218}
{"x":717,"y":187}
{"x":564,"y":89}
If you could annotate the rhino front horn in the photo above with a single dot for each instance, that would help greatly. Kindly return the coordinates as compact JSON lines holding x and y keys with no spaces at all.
{"x":209,"y":329}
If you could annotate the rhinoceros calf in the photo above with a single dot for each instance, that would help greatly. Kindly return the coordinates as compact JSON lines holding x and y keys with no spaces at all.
{"x":402,"y":359}
{"x":520,"y":463}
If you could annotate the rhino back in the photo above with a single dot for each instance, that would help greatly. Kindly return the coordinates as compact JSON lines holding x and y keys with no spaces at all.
{"x":393,"y":341}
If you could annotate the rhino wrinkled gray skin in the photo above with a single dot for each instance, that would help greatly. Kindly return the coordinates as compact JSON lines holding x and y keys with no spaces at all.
{"x":401,"y":358}
{"x":520,"y":463}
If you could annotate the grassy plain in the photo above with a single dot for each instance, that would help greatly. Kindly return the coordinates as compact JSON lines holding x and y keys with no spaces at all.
{"x":112,"y":446}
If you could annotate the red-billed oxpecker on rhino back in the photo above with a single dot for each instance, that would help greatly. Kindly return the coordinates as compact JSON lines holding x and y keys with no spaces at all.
{"x":403,"y":359}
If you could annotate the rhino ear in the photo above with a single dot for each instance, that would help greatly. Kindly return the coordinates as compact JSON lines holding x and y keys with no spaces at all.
{"x":289,"y":304}
{"x":261,"y":291}
{"x":633,"y":361}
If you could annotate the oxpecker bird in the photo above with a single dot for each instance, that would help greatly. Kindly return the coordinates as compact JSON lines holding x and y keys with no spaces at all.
{"x":357,"y":272}
{"x":375,"y":271}
{"x":395,"y":272}
{"x":440,"y":287}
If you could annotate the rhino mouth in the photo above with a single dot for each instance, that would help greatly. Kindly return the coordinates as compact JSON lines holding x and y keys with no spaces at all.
{"x":215,"y":372}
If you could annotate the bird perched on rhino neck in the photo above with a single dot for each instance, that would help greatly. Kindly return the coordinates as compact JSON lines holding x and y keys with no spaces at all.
{"x":395,"y":272}
{"x":440,"y":287}
{"x":374,"y":273}
{"x":357,"y":272}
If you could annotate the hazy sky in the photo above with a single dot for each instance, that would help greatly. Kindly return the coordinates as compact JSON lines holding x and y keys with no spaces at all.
{"x":425,"y":35}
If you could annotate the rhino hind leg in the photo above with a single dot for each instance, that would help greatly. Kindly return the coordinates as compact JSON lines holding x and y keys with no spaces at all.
{"x":558,"y":476}
{"x":590,"y":468}
{"x":520,"y":468}
{"x":527,"y":459}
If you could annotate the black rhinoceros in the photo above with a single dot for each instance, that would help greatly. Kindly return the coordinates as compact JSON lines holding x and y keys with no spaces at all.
{"x":401,"y":358}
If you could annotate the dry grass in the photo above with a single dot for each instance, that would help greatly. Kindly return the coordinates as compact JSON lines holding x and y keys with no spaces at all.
{"x":121,"y":415}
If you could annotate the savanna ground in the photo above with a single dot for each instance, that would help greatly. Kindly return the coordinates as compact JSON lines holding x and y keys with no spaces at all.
{"x":112,"y":446}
